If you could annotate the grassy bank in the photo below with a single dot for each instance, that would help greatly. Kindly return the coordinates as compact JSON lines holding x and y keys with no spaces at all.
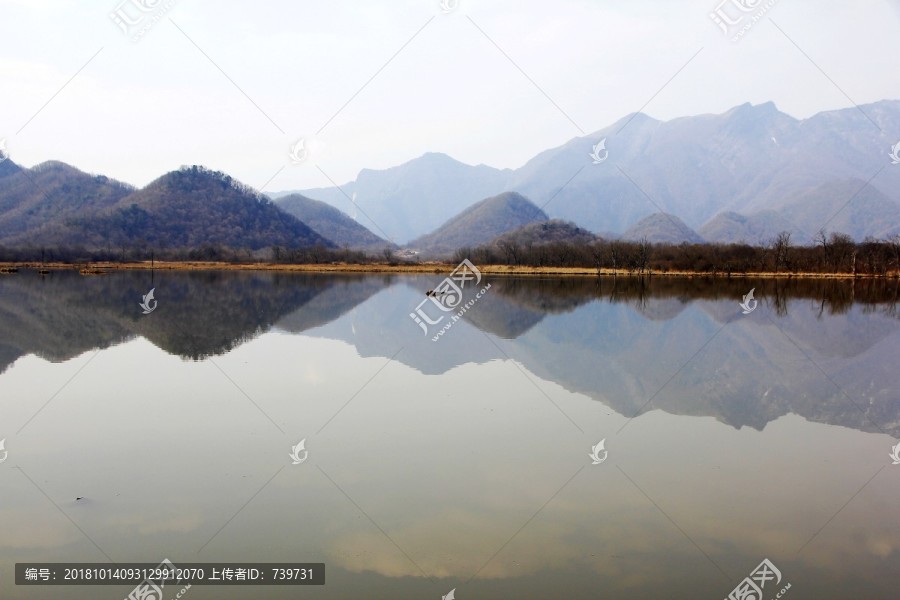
{"x":100,"y":268}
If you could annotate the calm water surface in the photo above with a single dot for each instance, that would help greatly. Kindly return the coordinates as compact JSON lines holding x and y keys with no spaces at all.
{"x":462,"y":463}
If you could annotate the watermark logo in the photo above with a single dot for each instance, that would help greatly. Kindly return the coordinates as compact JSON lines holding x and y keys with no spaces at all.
{"x":448,"y":296}
{"x":447,"y":7}
{"x":299,"y":453}
{"x":895,"y":453}
{"x":306,"y":149}
{"x":749,"y":304}
{"x":4,"y":153}
{"x":736,"y":17}
{"x":152,"y":587}
{"x":895,"y":153}
{"x":298,"y":152}
{"x":595,"y":452}
{"x":136,"y":17}
{"x":751,"y":588}
{"x":599,"y":152}
{"x":451,"y":595}
{"x":146,"y":302}
{"x":4,"y":453}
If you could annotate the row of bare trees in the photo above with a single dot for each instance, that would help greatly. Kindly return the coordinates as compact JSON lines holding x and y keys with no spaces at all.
{"x":832,"y":253}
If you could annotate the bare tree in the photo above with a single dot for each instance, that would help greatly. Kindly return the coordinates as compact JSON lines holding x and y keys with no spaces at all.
{"x":617,"y":254}
{"x":843,"y":251}
{"x":894,"y":243}
{"x":511,"y":250}
{"x":781,"y":247}
{"x":643,"y":255}
{"x":821,"y":239}
{"x":598,"y":251}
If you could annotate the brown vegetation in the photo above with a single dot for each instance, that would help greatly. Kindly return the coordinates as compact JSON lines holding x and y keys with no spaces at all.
{"x":834,"y":255}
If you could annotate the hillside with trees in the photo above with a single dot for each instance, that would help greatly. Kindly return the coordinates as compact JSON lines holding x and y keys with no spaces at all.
{"x":190,"y":208}
{"x":48,"y":196}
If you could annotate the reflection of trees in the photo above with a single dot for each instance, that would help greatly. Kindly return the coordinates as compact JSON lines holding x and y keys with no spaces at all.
{"x":836,"y":296}
{"x":890,"y":307}
{"x":779,"y":298}
{"x":633,"y":290}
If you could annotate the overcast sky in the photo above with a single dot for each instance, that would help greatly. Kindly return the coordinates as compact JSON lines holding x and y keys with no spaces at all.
{"x":233,"y":84}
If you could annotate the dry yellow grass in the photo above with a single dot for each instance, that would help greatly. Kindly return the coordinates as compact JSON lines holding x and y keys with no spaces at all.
{"x":98,"y":268}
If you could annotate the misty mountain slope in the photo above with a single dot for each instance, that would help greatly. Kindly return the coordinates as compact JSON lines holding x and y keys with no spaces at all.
{"x":411,"y":199}
{"x":660,"y":228}
{"x":479,"y":224}
{"x":595,"y":196}
{"x":850,"y":206}
{"x":829,"y":147}
{"x":690,"y":166}
{"x":755,"y":229}
{"x":747,"y":160}
{"x":331,"y":223}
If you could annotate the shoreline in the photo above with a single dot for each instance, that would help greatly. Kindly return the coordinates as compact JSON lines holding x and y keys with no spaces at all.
{"x":431,"y":268}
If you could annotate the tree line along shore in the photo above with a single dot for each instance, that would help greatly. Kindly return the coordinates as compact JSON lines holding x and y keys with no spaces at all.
{"x":834,"y":255}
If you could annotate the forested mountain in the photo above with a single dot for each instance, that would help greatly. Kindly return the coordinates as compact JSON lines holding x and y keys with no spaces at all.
{"x":545,"y":232}
{"x":49,"y":195}
{"x":7,"y":167}
{"x":188,"y":208}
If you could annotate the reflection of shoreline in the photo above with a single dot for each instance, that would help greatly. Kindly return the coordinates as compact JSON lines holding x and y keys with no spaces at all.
{"x":430,"y":267}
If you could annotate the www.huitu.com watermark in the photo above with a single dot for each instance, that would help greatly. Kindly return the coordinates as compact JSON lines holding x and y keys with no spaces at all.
{"x":736,"y":17}
{"x":448,"y":296}
{"x":751,"y":588}
{"x":137,"y":17}
{"x":152,"y":587}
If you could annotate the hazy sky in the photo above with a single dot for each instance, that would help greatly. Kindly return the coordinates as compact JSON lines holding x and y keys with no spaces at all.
{"x":233,"y":85}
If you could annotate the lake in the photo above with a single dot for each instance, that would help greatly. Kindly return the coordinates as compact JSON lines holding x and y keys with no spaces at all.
{"x":466,"y":463}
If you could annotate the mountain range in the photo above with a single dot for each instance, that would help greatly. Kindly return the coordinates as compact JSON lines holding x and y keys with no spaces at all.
{"x":741,"y":176}
{"x":832,"y":170}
